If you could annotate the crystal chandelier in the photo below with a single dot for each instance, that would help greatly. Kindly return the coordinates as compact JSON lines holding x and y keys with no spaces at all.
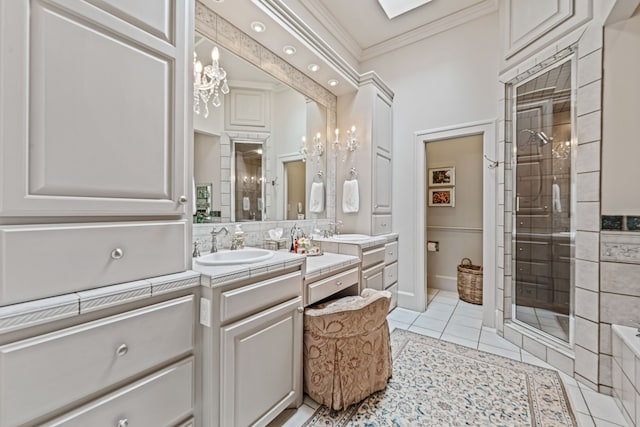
{"x":211,"y":81}
{"x":317,"y":148}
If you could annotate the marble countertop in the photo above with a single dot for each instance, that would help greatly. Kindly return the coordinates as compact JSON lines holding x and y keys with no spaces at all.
{"x":218,"y":275}
{"x":328,"y":263}
{"x":365,"y":243}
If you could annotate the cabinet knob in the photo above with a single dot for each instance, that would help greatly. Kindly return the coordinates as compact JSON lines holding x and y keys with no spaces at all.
{"x":375,"y":206}
{"x":300,"y":309}
{"x":384,"y":224}
{"x":123,"y":423}
{"x":122,"y":350}
{"x":338,"y":283}
{"x":520,"y":249}
{"x":117,"y":253}
{"x":183,"y":199}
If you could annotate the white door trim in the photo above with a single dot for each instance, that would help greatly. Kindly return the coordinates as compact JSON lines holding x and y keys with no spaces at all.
{"x":486,"y":128}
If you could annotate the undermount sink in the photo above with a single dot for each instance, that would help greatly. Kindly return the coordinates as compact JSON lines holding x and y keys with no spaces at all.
{"x":240,"y":256}
{"x":351,"y":237}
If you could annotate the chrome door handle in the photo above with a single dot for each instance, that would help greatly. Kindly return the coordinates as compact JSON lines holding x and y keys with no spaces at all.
{"x":122,"y":350}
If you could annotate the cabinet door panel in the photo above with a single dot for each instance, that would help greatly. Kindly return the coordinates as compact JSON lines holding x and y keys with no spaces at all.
{"x":97,"y":127}
{"x":260,"y":365}
{"x":381,"y":184}
{"x":383,"y":126}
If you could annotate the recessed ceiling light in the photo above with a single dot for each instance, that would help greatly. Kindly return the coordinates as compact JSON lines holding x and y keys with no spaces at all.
{"x":289,"y":50}
{"x":333,"y":82}
{"x":313,"y":67}
{"x":258,"y":27}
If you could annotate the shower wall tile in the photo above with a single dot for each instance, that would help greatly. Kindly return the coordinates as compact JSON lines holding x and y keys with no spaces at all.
{"x":612,"y":222}
{"x":588,"y":187}
{"x":605,"y":338}
{"x":500,"y":299}
{"x":633,"y":223}
{"x":586,"y":334}
{"x":587,"y":246}
{"x":586,"y":364}
{"x":605,"y":367}
{"x":620,"y":278}
{"x":588,"y":216}
{"x":512,"y":335}
{"x":589,"y":127}
{"x":619,"y":309}
{"x":590,"y":67}
{"x":586,"y":304}
{"x":534,"y":347}
{"x":587,"y":275}
{"x":586,"y":382}
{"x":560,"y":361}
{"x":588,"y":158}
{"x":590,"y":41}
{"x":590,"y":97}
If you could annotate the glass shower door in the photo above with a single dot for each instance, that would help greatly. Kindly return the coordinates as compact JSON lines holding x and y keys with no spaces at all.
{"x":542,"y":231}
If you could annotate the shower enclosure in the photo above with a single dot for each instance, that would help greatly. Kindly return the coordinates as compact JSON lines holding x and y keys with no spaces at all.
{"x":543,"y":206}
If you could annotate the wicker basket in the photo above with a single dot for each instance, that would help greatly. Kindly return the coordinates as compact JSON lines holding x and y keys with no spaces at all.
{"x":470,"y":282}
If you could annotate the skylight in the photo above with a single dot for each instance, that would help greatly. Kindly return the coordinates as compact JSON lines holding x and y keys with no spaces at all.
{"x":394,"y":8}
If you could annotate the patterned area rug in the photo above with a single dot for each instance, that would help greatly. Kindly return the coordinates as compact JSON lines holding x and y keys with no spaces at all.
{"x":438,"y":383}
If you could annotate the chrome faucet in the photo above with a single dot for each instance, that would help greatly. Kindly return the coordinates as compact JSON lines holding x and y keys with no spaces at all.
{"x":214,"y":234}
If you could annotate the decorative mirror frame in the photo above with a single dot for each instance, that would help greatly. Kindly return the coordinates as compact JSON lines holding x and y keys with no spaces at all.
{"x":225,"y":34}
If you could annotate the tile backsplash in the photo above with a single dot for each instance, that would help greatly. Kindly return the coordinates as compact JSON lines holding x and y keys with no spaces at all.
{"x":255,"y":231}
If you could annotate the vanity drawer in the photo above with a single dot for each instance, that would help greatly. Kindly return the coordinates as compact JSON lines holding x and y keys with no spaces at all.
{"x":381,"y":224}
{"x":390,"y":274}
{"x":257,"y":296}
{"x":391,"y":252}
{"x":46,"y":260}
{"x":161,"y":399}
{"x":373,"y":278}
{"x":394,"y":296}
{"x":44,"y":373}
{"x":329,"y":286}
{"x":373,"y":256}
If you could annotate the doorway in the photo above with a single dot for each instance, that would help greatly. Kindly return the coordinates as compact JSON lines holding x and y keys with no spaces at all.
{"x":453,"y":210}
{"x":295,"y":191}
{"x":490,"y":251}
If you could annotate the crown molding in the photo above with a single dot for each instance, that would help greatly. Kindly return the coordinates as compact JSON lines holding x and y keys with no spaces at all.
{"x":370,"y":77}
{"x":428,"y":30}
{"x":280,"y":12}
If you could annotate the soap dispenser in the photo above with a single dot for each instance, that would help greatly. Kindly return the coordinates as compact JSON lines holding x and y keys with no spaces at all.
{"x":238,"y":238}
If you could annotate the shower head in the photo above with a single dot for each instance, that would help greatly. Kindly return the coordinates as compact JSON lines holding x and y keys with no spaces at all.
{"x":537,"y":136}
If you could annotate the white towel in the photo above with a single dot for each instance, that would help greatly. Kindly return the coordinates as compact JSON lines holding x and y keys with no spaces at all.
{"x":246,"y":204}
{"x":260,"y":204}
{"x":350,"y":196}
{"x":316,"y":197}
{"x":555,"y":198}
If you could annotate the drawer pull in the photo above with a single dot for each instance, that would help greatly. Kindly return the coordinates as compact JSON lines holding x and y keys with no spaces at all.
{"x":123,"y":423}
{"x":520,"y":249}
{"x":338,"y":283}
{"x":122,"y":350}
{"x":183,"y":199}
{"x":384,"y":224}
{"x":117,"y":253}
{"x":300,"y":309}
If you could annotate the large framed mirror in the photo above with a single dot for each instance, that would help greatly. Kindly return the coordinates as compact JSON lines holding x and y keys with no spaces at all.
{"x":278,"y":111}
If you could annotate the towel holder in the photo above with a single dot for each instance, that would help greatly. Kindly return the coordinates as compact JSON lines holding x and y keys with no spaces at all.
{"x":353,"y":173}
{"x":318,"y":175}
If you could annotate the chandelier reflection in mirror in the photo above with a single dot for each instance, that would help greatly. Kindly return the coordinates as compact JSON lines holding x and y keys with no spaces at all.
{"x":210,"y":81}
{"x":351,"y":144}
{"x":316,"y":151}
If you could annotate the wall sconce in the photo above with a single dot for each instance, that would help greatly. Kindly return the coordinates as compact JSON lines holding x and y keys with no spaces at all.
{"x":317,"y":148}
{"x":351,"y":144}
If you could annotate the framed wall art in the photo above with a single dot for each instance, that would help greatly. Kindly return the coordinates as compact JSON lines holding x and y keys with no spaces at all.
{"x":442,"y":197}
{"x":442,"y":177}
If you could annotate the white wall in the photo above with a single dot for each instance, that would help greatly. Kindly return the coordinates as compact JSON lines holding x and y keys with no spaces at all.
{"x":206,"y":165}
{"x":458,"y":229}
{"x":447,"y":79}
{"x":621,"y":104}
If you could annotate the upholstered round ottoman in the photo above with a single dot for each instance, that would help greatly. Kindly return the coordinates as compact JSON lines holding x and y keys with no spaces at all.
{"x":347,"y":352}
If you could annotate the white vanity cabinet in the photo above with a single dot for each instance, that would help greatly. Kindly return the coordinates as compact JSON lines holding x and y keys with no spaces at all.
{"x":372,"y":114}
{"x":94,"y":107}
{"x":252,"y":345}
{"x":391,"y":270}
{"x":128,"y":362}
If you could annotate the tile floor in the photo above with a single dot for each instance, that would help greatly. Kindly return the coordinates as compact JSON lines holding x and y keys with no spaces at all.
{"x":450,"y":319}
{"x":555,"y":324}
